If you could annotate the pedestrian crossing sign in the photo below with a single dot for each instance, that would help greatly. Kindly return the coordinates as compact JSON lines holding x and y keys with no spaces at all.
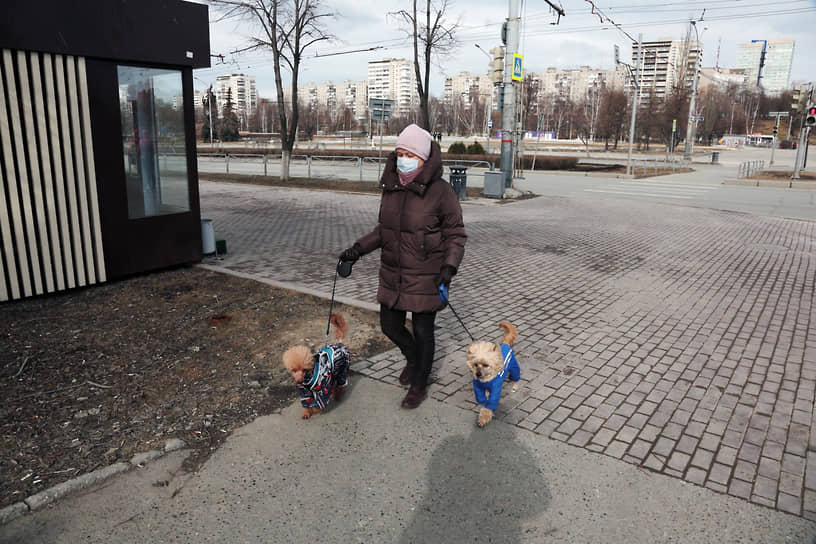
{"x":517,"y":70}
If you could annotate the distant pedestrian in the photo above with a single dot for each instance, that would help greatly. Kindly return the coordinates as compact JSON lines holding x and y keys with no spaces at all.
{"x":422,"y":237}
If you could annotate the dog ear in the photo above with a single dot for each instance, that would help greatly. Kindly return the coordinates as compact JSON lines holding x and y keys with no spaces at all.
{"x":471,"y":348}
{"x":495,"y":347}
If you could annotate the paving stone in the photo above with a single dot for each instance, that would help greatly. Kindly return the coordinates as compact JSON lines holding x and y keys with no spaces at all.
{"x":679,"y":382}
{"x":720,"y":473}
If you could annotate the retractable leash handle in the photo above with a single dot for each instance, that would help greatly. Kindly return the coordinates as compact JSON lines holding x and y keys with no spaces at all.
{"x":443,"y":294}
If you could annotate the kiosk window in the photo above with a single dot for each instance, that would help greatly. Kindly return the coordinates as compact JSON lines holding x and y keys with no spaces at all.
{"x":151,"y":104}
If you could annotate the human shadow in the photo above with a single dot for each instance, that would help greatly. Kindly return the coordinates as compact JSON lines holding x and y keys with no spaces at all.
{"x":481,"y":488}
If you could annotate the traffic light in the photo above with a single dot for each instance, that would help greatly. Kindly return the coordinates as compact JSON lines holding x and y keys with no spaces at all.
{"x":799,"y":98}
{"x":810,"y":120}
{"x":496,"y":71}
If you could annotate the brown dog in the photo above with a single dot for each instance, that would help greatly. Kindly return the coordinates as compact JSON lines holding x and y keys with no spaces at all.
{"x":322,"y":376}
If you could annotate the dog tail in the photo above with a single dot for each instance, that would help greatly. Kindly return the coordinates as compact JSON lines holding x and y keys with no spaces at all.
{"x":340,"y":326}
{"x":510,"y":333}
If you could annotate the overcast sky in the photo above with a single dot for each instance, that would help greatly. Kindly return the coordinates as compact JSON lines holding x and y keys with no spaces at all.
{"x":580,"y":38}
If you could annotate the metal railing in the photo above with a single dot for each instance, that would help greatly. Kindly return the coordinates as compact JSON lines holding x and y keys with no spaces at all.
{"x":657,"y":165}
{"x":358,"y":161}
{"x":749,"y":168}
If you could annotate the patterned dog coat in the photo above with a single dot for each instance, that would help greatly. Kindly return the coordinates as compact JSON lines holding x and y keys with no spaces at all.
{"x":489,"y":393}
{"x":330,"y":371}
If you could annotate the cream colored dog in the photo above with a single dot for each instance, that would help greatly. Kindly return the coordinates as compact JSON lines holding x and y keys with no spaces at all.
{"x":490,"y":364}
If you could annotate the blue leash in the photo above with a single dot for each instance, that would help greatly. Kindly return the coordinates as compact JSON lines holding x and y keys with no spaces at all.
{"x":443,"y":294}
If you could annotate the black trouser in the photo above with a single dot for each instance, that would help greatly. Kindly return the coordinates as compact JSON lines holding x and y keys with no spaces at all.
{"x":418,"y":347}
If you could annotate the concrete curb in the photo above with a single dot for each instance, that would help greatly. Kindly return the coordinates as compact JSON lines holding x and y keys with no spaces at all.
{"x":52,"y":494}
{"x":291,"y":286}
{"x":778,"y":184}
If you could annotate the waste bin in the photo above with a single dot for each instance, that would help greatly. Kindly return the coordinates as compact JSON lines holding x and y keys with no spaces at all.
{"x":458,"y":180}
{"x":207,"y":237}
{"x":493,"y":185}
{"x":715,"y":157}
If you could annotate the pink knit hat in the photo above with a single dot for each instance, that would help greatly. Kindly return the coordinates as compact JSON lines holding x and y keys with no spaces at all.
{"x":416,"y":140}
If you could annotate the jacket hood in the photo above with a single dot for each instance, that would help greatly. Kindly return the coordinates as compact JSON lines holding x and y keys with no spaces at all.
{"x":431,"y":171}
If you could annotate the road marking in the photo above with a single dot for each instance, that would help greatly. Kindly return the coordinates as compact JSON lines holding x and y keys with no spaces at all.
{"x":666,"y":195}
{"x":665,"y":184}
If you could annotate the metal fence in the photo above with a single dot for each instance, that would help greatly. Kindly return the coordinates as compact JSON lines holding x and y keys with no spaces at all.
{"x":360,"y":163}
{"x":658,"y":165}
{"x":749,"y":168}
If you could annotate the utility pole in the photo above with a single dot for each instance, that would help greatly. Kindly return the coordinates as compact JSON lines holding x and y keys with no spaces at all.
{"x":209,"y":103}
{"x":692,"y":123}
{"x":509,"y":99}
{"x":636,"y":85}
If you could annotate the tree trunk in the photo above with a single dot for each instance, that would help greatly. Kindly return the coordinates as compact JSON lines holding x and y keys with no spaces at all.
{"x":285,"y":157}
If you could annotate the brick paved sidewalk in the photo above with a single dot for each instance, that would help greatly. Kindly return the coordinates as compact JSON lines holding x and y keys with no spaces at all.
{"x":678,"y":339}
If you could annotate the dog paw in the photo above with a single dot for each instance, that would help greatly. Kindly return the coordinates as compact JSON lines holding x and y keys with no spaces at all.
{"x":485,"y":415}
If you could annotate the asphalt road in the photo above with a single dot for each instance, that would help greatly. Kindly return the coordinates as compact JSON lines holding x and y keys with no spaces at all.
{"x":706,"y":187}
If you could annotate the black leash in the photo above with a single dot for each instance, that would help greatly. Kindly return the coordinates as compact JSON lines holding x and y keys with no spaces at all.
{"x":331,"y":305}
{"x":443,"y":294}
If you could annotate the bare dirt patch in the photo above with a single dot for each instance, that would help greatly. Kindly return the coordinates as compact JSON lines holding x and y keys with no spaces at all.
{"x":93,"y":376}
{"x":783,"y":175}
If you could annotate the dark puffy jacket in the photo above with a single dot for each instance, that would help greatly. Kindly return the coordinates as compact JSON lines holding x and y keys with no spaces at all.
{"x":420,"y":229}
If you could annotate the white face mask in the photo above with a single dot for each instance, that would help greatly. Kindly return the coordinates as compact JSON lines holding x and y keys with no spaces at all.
{"x":406,"y":165}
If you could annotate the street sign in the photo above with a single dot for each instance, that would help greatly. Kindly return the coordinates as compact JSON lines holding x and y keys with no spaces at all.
{"x":699,"y":118}
{"x":380,"y":115}
{"x":490,"y":123}
{"x":518,"y":74}
{"x":380,"y":104}
{"x":380,"y":108}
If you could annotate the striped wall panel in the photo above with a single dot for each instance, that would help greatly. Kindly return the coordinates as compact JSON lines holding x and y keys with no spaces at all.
{"x":49,"y":209}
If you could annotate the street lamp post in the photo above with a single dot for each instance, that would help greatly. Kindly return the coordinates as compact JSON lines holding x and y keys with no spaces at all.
{"x":637,"y":83}
{"x":692,"y":124}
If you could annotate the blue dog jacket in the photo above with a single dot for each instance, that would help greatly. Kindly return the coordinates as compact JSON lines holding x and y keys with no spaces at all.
{"x":330,"y":371}
{"x":489,"y":393}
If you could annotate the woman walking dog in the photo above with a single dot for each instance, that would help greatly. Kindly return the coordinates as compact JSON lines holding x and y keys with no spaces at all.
{"x":422,"y":238}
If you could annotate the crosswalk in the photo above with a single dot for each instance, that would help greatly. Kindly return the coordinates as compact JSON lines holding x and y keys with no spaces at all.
{"x":656,"y":189}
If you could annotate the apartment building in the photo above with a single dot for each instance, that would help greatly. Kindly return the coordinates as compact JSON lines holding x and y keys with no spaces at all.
{"x":244,"y":95}
{"x":767,"y":63}
{"x":394,"y":79}
{"x":470,"y":88}
{"x":336,"y":96}
{"x":723,"y":78}
{"x":576,"y":84}
{"x":666,"y":65}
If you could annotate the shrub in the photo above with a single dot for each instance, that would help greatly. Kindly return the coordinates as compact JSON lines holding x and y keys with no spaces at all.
{"x":475,"y":149}
{"x":457,"y":148}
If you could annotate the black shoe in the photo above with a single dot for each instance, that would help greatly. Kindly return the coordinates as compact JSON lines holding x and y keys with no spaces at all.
{"x":414,"y":397}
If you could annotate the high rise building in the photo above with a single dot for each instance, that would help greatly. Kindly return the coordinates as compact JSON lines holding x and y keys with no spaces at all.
{"x":767,"y":63}
{"x":244,"y":95}
{"x":576,"y":84}
{"x":667,"y":65}
{"x":394,"y":79}
{"x":470,"y":88}
{"x":335,"y":96}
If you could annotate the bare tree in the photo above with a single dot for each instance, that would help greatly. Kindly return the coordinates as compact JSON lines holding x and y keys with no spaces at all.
{"x":436,"y":37}
{"x":287,"y":29}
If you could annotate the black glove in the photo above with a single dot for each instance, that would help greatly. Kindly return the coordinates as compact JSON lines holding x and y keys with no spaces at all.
{"x":351,"y":254}
{"x":445,"y":275}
